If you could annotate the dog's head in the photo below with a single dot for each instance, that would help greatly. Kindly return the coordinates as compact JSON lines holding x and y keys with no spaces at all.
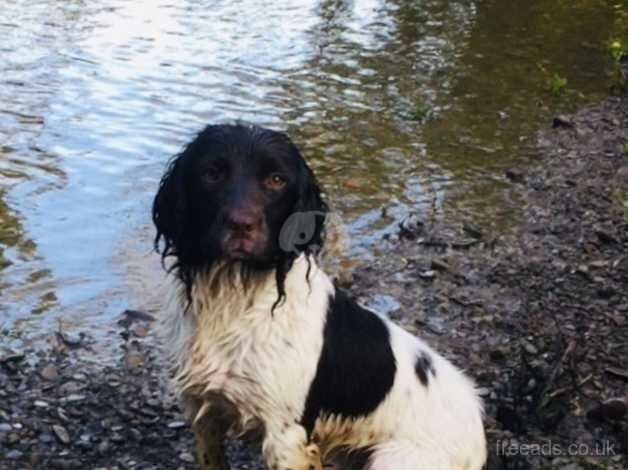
{"x":228,"y":197}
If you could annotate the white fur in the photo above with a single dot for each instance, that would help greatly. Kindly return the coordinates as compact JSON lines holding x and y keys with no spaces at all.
{"x":228,"y":344}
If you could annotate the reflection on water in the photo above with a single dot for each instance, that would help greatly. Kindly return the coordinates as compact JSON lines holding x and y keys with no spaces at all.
{"x":397,"y":104}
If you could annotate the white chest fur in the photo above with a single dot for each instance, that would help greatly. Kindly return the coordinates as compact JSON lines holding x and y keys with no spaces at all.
{"x":228,"y":344}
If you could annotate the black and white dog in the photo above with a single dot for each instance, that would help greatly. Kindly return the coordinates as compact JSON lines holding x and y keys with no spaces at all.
{"x":263,"y":342}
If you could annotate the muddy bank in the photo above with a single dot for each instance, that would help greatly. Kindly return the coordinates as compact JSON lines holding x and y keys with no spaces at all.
{"x":539,"y":316}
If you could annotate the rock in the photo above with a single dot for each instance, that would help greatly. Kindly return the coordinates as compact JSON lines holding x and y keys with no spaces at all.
{"x":11,"y":360}
{"x":61,"y":433}
{"x":176,"y":424}
{"x":134,"y":361}
{"x":427,"y":275}
{"x":515,"y":176}
{"x":571,"y":466}
{"x":562,"y":121}
{"x":617,"y":371}
{"x":383,"y":304}
{"x":436,"y":325}
{"x":103,"y":447}
{"x":14,"y":454}
{"x":186,"y":457}
{"x":71,"y":339}
{"x":139,"y":330}
{"x":40,"y":404}
{"x":132,"y":316}
{"x":440,"y":265}
{"x":605,"y":237}
{"x":49,"y":372}
{"x":529,"y":347}
{"x":615,"y":408}
{"x":72,"y":398}
{"x":472,"y":231}
{"x":411,"y":227}
{"x":5,"y":427}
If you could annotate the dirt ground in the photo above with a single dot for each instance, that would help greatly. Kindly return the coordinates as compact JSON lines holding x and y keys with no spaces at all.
{"x":539,"y":316}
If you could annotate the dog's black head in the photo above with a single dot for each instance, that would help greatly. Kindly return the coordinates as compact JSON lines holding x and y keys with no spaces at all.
{"x":226,"y":198}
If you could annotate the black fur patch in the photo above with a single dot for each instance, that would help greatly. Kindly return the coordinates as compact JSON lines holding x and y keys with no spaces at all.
{"x":357,"y":367}
{"x":424,"y":367}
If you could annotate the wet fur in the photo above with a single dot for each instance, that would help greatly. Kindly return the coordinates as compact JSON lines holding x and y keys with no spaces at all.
{"x":314,"y":375}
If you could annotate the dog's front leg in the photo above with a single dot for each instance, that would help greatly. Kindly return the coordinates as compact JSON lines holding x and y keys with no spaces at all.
{"x":209,"y":437}
{"x":288,"y":449}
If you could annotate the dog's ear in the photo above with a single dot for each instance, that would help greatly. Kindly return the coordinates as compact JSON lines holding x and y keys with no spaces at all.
{"x":169,"y":209}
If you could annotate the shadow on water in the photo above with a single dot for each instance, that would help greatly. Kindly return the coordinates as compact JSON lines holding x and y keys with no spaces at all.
{"x":411,"y":106}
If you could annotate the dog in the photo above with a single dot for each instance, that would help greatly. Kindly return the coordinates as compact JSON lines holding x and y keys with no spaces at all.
{"x":264,"y":345}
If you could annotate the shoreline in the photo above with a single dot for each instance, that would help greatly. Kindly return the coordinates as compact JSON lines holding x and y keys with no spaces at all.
{"x":538,"y":316}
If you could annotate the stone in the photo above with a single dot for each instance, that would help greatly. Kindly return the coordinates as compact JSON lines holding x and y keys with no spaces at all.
{"x":186,"y":457}
{"x":176,"y":424}
{"x":49,"y":372}
{"x":61,"y":433}
{"x":14,"y":454}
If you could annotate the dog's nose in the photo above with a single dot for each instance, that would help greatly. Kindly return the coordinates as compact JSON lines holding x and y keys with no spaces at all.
{"x":243,"y":221}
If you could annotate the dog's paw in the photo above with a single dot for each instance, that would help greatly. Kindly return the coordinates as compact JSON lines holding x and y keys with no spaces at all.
{"x":313,"y":455}
{"x":307,"y":458}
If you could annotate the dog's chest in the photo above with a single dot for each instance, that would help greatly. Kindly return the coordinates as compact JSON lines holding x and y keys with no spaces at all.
{"x":260,"y":363}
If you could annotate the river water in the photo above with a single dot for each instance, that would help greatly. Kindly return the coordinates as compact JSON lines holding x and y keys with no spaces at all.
{"x":413,"y":106}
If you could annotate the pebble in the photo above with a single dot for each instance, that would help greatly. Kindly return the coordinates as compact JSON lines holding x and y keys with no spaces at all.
{"x":436,"y":325}
{"x":61,"y":433}
{"x":571,"y":466}
{"x":40,"y":404}
{"x":614,"y":408}
{"x":440,"y":265}
{"x":529,"y":347}
{"x":5,"y":427}
{"x":139,"y":330}
{"x":186,"y":457}
{"x":49,"y":372}
{"x":14,"y":454}
{"x":427,"y":275}
{"x":562,"y":121}
{"x":73,"y":398}
{"x":176,"y":424}
{"x":103,"y":447}
{"x":72,"y":339}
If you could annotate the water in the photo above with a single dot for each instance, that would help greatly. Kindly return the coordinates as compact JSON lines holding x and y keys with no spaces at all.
{"x":409,"y":105}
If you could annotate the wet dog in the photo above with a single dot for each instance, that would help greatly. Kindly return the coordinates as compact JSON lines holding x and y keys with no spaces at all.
{"x":262,"y":342}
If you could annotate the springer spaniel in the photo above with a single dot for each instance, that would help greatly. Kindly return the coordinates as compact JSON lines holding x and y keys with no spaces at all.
{"x":264,"y":344}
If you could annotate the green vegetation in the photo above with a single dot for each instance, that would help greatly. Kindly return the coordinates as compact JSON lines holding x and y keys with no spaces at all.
{"x":421,"y":112}
{"x":617,"y":51}
{"x":556,"y":84}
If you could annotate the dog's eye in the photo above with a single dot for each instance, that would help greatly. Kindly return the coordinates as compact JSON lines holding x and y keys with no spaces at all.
{"x":275,"y":181}
{"x":213,"y":175}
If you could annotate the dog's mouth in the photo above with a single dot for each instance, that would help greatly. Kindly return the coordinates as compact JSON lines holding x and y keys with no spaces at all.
{"x":244,"y":246}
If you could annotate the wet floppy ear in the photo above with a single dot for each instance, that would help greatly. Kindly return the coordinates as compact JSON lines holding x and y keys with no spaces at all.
{"x":169,"y":208}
